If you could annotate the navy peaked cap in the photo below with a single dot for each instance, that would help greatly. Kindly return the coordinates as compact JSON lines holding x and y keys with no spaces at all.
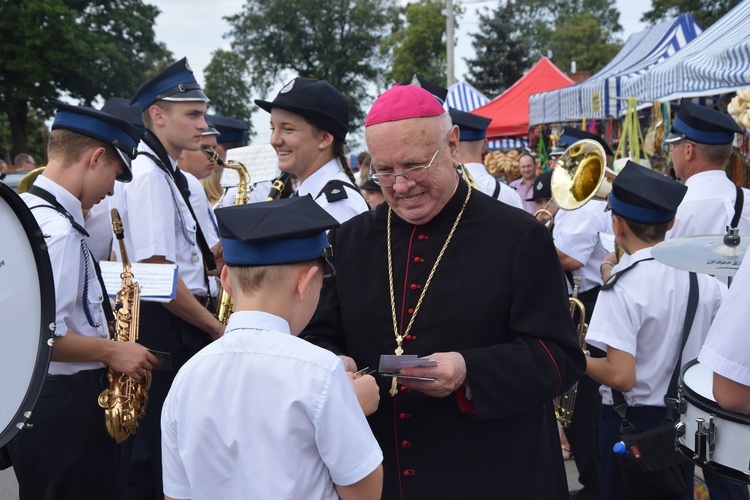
{"x":231,"y":129}
{"x":176,"y":83}
{"x":642,"y":195}
{"x":703,"y":125}
{"x":274,"y":232}
{"x":433,"y":88}
{"x":315,"y":100}
{"x":472,"y":127}
{"x":103,"y":127}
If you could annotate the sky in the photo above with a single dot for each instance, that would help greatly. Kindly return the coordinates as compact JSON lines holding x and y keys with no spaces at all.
{"x":196,"y":28}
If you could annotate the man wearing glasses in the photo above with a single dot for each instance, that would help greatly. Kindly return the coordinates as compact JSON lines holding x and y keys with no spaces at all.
{"x":473,"y":285}
{"x":700,"y":145}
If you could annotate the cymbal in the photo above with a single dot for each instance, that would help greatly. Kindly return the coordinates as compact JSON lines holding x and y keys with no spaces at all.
{"x":706,"y":254}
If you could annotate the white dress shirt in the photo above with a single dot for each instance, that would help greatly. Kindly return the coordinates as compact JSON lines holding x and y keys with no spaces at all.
{"x":72,"y":271}
{"x":643,"y":315}
{"x":260,"y":413}
{"x":488,"y":184}
{"x":341,"y":210}
{"x":156,"y":221}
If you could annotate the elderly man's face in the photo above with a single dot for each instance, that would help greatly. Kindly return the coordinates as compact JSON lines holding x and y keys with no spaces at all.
{"x":400,"y":145}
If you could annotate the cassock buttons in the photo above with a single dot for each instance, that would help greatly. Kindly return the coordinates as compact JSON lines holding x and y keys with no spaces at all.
{"x":405,"y":444}
{"x":422,"y":237}
{"x":405,"y":388}
{"x":404,"y":416}
{"x":418,"y":260}
{"x":410,"y":472}
{"x":415,"y":286}
{"x":410,"y":310}
{"x":410,"y":337}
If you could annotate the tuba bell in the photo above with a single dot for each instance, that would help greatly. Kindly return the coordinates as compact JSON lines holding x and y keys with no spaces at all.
{"x":581,"y":174}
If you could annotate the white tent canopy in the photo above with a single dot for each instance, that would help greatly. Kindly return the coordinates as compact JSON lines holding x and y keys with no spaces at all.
{"x":716,"y":62}
{"x":600,"y":95}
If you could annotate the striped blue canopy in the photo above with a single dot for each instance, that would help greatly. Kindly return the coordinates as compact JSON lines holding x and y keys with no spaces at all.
{"x":718,"y":61}
{"x":600,"y":96}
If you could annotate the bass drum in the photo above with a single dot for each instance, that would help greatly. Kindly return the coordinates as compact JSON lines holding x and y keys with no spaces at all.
{"x":709,"y":436}
{"x":27,"y":313}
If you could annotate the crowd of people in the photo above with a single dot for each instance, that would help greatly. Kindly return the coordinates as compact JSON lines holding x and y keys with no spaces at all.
{"x":423,"y":260}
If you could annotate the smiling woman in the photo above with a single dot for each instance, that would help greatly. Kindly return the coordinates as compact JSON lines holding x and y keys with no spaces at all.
{"x":309,"y":123}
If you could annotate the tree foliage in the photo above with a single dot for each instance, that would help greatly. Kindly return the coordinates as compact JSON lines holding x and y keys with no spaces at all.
{"x":705,"y":13}
{"x":336,"y":41}
{"x":517,"y":34}
{"x":227,"y":88}
{"x":80,"y":48}
{"x":418,"y":44}
{"x":572,"y":41}
{"x":501,"y":52}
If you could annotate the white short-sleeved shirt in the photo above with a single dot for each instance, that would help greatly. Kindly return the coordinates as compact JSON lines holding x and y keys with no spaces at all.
{"x":341,"y":210}
{"x":71,"y":265}
{"x":488,"y":184}
{"x":206,"y":219}
{"x":260,"y":413}
{"x":727,"y":347}
{"x":576,"y":234}
{"x":156,"y":221}
{"x":708,"y":206}
{"x":643,"y":315}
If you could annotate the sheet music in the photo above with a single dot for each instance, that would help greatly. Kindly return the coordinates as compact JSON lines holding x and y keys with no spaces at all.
{"x":261,"y":162}
{"x":158,"y":282}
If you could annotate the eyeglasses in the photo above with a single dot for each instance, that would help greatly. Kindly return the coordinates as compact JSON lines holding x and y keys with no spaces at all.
{"x":672,"y":145}
{"x":416,"y":174}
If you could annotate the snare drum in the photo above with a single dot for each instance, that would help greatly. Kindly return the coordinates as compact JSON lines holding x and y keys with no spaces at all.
{"x":27,"y":313}
{"x":709,"y":436}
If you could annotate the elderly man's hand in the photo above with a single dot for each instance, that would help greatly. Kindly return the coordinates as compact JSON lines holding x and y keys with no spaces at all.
{"x":449,"y":375}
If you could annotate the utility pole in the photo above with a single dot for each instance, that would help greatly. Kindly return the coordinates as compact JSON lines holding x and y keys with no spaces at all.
{"x":449,"y":41}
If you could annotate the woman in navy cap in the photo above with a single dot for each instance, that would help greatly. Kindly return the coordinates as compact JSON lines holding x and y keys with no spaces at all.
{"x":309,"y":123}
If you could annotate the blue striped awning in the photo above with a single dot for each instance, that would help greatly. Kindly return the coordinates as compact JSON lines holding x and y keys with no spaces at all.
{"x":464,"y":97}
{"x":508,"y":143}
{"x":718,"y":61}
{"x":601,"y":95}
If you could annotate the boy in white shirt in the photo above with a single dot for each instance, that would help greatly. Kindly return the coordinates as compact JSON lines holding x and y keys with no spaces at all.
{"x":260,"y":413}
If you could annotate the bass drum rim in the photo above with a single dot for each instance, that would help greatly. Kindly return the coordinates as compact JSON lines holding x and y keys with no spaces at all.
{"x":709,"y":406}
{"x":47,"y":312}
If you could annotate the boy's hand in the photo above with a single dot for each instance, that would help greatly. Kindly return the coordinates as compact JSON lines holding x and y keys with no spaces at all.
{"x":368,"y":392}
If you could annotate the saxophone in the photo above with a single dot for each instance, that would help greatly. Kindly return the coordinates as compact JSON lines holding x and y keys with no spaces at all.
{"x":125,"y":400}
{"x":224,"y":303}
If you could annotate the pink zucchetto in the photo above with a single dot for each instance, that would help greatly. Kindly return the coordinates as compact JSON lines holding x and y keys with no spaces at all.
{"x":402,"y":102}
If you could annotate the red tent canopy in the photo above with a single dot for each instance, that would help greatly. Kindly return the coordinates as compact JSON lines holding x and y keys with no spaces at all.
{"x":510,"y":110}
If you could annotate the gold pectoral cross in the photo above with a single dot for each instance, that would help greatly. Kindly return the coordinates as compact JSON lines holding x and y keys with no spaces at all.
{"x":399,"y":351}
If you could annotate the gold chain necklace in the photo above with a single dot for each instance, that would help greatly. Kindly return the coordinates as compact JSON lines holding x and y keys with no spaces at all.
{"x":400,"y":337}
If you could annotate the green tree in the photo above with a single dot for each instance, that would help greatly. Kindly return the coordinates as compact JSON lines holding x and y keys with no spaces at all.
{"x":501,"y":53}
{"x":573,"y":40}
{"x":80,"y":48}
{"x":336,"y":41}
{"x":559,"y":29}
{"x":704,"y":13}
{"x":418,"y":44}
{"x":225,"y":85}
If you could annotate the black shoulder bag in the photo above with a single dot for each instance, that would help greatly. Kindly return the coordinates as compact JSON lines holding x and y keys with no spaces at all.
{"x":652,"y":466}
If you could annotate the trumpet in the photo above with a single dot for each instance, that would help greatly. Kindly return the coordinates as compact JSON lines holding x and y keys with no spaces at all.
{"x":565,"y":402}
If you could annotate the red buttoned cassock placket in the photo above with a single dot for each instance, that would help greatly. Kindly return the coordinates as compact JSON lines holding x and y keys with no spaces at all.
{"x":499,"y":299}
